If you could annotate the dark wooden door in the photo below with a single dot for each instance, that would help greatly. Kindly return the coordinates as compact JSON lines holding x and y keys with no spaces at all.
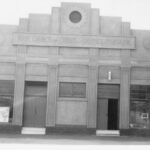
{"x":34,"y":111}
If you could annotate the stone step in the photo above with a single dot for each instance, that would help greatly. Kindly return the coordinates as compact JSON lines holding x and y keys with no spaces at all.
{"x":26,"y":130}
{"x":107,"y":132}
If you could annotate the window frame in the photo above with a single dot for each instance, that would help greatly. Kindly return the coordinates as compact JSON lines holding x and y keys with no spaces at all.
{"x":7,"y":96}
{"x":73,"y":91}
{"x":139,"y":105}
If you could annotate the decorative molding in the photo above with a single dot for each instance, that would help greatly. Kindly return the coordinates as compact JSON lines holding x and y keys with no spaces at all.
{"x":74,"y":41}
{"x":72,"y":79}
{"x":84,"y":15}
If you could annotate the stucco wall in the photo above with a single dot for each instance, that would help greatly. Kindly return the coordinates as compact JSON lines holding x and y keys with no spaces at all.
{"x":72,"y":64}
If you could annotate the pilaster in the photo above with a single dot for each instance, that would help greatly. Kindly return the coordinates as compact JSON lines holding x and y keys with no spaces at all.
{"x":52,"y":95}
{"x":19,"y":78}
{"x":124,"y":97}
{"x":19,"y":86}
{"x":92,"y":96}
{"x":125,"y":82}
{"x":93,"y":74}
{"x":53,"y":73}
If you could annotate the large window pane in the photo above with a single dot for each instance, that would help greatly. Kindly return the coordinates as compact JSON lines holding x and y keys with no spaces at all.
{"x":6,"y":100}
{"x":139,"y":114}
{"x":140,"y":106}
{"x":138,"y":92}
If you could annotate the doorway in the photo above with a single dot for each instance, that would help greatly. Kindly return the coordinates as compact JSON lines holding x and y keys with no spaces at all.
{"x":35,"y":104}
{"x":108,"y":107}
{"x":107,"y":114}
{"x":112,"y":114}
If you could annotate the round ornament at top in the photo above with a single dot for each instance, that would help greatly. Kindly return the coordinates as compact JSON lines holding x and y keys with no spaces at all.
{"x":75,"y":16}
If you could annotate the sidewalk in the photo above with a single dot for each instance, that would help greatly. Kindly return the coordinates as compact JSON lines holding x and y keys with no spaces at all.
{"x":73,"y":139}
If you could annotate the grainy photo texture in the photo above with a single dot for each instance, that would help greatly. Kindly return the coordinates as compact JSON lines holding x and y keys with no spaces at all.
{"x":75,"y":72}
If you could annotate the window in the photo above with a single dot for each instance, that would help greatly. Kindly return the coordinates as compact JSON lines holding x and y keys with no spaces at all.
{"x":138,"y":92}
{"x":140,"y":106}
{"x":6,"y":100}
{"x":75,"y":90}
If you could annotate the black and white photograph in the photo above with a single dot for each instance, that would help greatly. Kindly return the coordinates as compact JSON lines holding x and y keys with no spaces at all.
{"x":74,"y":72}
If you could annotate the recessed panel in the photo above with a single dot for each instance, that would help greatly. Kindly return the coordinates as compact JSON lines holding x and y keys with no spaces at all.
{"x":7,"y":68}
{"x":71,"y":113}
{"x":73,"y":70}
{"x":36,"y":69}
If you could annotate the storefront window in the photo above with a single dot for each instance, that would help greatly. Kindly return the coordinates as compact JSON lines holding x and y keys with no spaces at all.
{"x":6,"y":100}
{"x":140,"y":106}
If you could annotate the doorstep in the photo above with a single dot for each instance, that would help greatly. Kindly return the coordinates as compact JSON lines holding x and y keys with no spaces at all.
{"x":28,"y":130}
{"x":107,"y":132}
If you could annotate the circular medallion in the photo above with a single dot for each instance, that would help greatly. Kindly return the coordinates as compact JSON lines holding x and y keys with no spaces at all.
{"x":75,"y":16}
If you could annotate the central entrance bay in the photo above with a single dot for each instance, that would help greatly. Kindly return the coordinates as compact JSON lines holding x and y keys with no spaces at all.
{"x":35,"y":104}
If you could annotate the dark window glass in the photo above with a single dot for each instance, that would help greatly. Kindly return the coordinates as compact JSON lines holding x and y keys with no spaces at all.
{"x":76,"y":90}
{"x":7,"y":97}
{"x":139,"y":114}
{"x":140,"y":106}
{"x":65,"y":89}
{"x":138,"y":95}
{"x":148,"y":89}
{"x":138,"y":92}
{"x":148,"y":96}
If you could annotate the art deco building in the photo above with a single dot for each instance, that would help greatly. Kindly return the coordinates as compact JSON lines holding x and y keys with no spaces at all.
{"x":74,"y":71}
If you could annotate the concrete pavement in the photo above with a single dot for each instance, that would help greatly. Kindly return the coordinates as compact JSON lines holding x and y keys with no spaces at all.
{"x":73,"y":139}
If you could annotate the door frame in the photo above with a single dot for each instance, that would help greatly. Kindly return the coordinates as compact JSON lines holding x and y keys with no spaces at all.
{"x":107,"y":97}
{"x":43,"y":83}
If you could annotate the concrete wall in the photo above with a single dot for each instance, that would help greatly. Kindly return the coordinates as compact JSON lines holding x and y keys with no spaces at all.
{"x":39,"y":23}
{"x":73,"y":64}
{"x":6,"y":47}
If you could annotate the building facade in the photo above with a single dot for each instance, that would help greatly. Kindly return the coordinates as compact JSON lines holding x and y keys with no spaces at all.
{"x":74,"y":70}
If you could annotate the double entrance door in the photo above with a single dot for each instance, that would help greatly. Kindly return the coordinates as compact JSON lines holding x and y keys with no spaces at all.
{"x":108,"y":107}
{"x":34,"y":113}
